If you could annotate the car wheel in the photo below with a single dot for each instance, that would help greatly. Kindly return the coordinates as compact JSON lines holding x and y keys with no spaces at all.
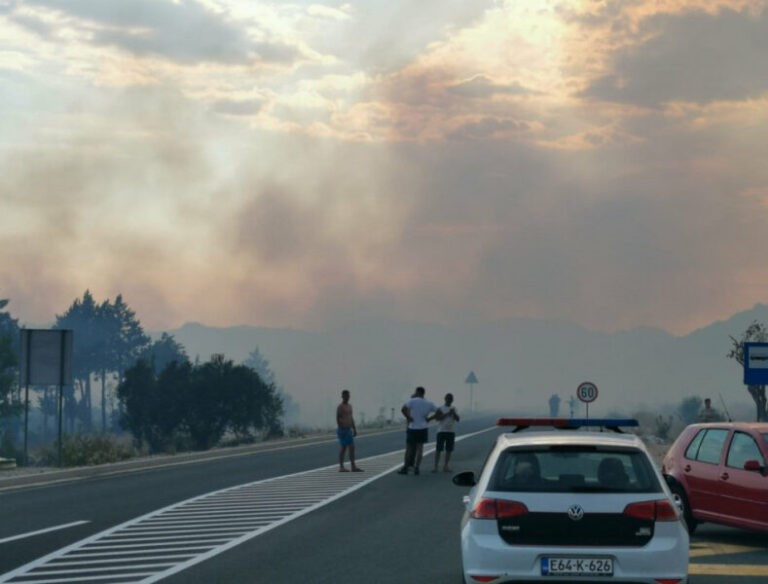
{"x":681,"y":500}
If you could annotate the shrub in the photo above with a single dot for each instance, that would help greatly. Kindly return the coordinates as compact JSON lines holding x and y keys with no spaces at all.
{"x":86,"y":450}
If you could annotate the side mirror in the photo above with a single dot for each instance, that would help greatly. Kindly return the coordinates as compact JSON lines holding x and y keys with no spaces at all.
{"x":465,"y":479}
{"x":753,"y":465}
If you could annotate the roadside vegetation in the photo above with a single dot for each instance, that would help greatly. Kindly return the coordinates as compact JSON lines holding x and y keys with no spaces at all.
{"x":133,"y":395}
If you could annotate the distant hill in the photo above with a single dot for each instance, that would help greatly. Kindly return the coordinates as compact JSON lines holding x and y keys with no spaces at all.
{"x":519,"y":363}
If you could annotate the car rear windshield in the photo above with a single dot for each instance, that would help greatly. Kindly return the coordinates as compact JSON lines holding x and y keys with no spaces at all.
{"x":565,"y":469}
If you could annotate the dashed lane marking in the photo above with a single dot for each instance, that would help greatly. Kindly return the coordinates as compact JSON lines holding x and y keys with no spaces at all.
{"x":41,"y":531}
{"x":169,"y":540}
{"x":727,"y":570}
{"x":708,"y":549}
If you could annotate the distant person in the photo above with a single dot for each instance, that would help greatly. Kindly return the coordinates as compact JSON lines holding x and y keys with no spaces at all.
{"x":554,"y":405}
{"x":446,"y":433}
{"x":416,"y":411}
{"x":708,"y":413}
{"x":346,"y":432}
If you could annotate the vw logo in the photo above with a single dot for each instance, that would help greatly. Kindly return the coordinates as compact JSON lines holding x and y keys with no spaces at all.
{"x":575,"y":512}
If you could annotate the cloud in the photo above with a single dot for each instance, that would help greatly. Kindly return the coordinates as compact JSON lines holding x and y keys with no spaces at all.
{"x":488,"y":128}
{"x":381,"y":37}
{"x":692,"y":57}
{"x":238,"y":107}
{"x":482,"y":87}
{"x":329,"y":12}
{"x":184,"y":32}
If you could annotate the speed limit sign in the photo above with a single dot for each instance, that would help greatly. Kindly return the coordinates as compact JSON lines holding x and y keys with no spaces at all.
{"x":587,"y":392}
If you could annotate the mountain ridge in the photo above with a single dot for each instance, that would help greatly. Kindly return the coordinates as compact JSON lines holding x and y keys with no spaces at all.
{"x":520,"y":363}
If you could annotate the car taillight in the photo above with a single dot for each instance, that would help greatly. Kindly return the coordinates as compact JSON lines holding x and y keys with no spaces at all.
{"x":510,"y":508}
{"x":666,"y":511}
{"x":498,"y":509}
{"x":661,"y":510}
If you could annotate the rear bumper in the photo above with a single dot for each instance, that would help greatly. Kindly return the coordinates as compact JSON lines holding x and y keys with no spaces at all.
{"x":665,"y":556}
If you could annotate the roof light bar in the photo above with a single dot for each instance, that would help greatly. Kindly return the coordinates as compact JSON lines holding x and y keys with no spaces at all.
{"x":568,"y":423}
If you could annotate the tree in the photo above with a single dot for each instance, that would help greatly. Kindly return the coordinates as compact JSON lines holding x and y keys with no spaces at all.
{"x":10,"y":404}
{"x":132,"y":340}
{"x":163,"y":352}
{"x":108,"y":338}
{"x":136,"y":393}
{"x":260,"y":365}
{"x":10,"y":400}
{"x":689,"y":408}
{"x":199,"y":402}
{"x":209,"y":402}
{"x":81,"y":317}
{"x":289,"y":409}
{"x":756,"y":332}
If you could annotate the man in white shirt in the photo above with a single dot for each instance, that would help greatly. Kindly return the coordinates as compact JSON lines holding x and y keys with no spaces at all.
{"x":416,"y":411}
{"x":446,"y":433}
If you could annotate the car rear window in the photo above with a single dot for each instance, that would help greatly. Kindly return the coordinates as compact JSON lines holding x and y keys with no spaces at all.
{"x":574,"y":469}
{"x":765,"y":438}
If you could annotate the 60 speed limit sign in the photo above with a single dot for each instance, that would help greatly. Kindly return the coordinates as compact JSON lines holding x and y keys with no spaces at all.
{"x":587,"y":392}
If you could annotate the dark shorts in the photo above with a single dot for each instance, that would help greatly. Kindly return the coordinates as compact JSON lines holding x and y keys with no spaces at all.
{"x":346,"y":436}
{"x":417,"y":436}
{"x":445,"y":441}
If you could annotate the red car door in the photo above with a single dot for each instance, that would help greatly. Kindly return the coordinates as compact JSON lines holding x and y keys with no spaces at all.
{"x":744,"y":493}
{"x":703,"y":473}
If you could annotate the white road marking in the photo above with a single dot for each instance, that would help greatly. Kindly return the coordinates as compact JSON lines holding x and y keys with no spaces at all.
{"x":137,"y":552}
{"x":41,"y":531}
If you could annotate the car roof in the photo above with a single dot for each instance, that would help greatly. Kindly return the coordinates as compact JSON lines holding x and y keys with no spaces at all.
{"x":565,"y":437}
{"x":758,"y":426}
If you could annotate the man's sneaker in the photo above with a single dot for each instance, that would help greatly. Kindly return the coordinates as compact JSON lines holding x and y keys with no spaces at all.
{"x":403,"y":470}
{"x":416,"y":470}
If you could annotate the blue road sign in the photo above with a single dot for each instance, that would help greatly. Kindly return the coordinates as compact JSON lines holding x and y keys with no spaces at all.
{"x":755,"y":363}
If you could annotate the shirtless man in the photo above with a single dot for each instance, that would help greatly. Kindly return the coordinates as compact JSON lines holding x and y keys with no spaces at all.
{"x":346,"y":432}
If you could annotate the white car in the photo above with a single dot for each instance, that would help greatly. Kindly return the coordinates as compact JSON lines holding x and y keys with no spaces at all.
{"x":577,"y":506}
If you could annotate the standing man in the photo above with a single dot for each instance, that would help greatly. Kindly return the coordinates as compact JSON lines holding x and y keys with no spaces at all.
{"x":708,"y":413}
{"x":416,"y":411}
{"x":446,"y":434}
{"x":346,"y":432}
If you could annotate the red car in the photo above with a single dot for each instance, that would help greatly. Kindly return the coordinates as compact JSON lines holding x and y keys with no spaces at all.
{"x":717,"y":472}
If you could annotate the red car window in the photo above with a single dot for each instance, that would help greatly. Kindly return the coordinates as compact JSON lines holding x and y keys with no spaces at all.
{"x":712,"y":446}
{"x":743,"y":448}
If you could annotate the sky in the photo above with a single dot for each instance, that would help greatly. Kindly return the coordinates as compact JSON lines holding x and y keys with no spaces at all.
{"x":298,"y":164}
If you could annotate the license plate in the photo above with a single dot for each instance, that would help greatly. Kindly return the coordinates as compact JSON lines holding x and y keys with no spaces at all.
{"x":576,"y":566}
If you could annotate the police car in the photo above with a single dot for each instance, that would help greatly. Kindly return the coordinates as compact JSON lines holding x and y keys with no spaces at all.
{"x":571,"y":506}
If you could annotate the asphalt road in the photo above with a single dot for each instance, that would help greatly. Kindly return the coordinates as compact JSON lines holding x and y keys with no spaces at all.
{"x":396,"y":529}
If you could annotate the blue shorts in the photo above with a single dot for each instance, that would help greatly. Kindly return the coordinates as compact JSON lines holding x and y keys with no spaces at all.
{"x":445,"y":441}
{"x":420,"y":436}
{"x":346,"y":436}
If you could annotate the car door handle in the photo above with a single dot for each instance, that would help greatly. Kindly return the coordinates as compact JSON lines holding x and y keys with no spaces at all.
{"x":724,"y":476}
{"x":687,"y":468}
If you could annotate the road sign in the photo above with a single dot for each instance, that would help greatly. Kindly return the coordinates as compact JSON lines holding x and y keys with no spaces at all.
{"x":755,"y":363}
{"x":587,"y":392}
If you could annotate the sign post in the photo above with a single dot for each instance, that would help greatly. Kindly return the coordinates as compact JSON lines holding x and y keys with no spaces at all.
{"x":471,"y":380}
{"x":587,"y":392}
{"x":46,"y":359}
